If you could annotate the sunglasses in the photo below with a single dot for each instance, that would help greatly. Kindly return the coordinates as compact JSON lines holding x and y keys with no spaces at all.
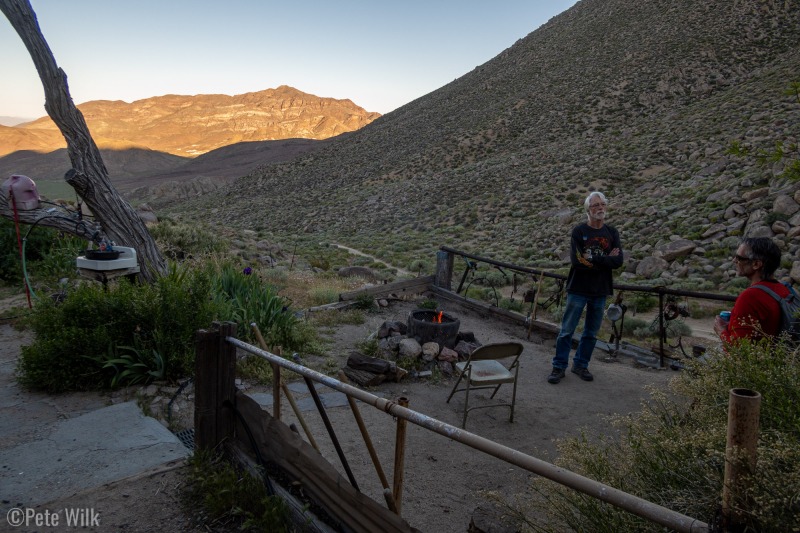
{"x":739,"y":259}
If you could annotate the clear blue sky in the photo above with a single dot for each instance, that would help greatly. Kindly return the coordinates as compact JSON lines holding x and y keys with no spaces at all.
{"x":380,"y":54}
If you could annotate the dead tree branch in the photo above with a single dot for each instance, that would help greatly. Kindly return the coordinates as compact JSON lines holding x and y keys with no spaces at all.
{"x":88,"y":175}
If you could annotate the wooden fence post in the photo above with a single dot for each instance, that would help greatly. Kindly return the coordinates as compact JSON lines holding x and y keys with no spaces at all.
{"x":444,"y":270}
{"x":215,"y":370}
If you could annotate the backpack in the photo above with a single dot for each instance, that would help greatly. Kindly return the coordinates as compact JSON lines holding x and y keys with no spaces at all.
{"x":790,"y":312}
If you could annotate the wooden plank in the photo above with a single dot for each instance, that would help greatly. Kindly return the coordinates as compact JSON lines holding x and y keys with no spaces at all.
{"x":444,"y":270}
{"x":408,"y":286}
{"x":493,"y":311}
{"x":318,"y":478}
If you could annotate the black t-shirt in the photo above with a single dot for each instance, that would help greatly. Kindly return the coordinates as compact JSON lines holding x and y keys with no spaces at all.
{"x":591,"y":276}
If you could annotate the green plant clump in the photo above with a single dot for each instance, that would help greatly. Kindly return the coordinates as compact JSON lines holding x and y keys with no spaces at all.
{"x":673,"y":451}
{"x":125,"y":333}
{"x":48,"y":254}
{"x":234,"y":498}
{"x":245,"y":299}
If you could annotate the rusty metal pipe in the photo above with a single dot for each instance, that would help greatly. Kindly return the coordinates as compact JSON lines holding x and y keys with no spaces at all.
{"x":740,"y":451}
{"x":628,"y":502}
{"x":387,"y":493}
{"x":399,"y":456}
{"x":285,"y":390}
{"x":327,"y":421}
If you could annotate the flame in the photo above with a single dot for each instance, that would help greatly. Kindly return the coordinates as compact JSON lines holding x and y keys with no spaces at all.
{"x":438,"y":318}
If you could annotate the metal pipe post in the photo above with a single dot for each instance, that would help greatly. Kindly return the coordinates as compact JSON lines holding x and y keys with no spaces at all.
{"x":387,"y":493}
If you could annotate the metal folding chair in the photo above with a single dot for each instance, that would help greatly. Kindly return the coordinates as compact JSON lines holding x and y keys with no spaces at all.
{"x":483,"y":370}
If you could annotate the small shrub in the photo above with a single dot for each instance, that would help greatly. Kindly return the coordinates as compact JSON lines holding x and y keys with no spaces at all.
{"x":255,"y":368}
{"x":513,"y":305}
{"x":369,"y":347}
{"x":323,"y":295}
{"x":365,"y":302}
{"x":673,"y":450}
{"x":181,"y":241}
{"x":630,"y":325}
{"x":643,"y":302}
{"x":230,"y":496}
{"x":429,"y":304}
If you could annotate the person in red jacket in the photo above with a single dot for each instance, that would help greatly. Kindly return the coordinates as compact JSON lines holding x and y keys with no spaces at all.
{"x":755,"y":314}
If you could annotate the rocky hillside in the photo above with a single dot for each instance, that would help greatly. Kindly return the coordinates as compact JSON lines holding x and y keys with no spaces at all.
{"x":638,"y":99}
{"x":192,"y":125}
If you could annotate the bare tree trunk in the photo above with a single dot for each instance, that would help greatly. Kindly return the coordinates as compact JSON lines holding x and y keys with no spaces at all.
{"x":118,"y":220}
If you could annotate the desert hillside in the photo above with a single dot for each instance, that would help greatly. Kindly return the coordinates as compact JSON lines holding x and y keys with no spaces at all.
{"x":641,"y":100}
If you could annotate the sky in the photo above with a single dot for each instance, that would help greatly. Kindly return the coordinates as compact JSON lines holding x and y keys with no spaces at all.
{"x":381,"y":54}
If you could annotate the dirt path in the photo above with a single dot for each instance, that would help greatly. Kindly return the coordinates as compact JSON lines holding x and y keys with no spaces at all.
{"x":401,"y":271}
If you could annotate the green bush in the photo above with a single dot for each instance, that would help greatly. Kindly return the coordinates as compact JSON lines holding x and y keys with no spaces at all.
{"x":228,"y":495}
{"x":96,"y":334}
{"x":673,"y":451}
{"x":48,"y":253}
{"x":643,"y":302}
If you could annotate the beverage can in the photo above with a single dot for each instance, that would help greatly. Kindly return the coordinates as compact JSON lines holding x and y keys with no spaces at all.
{"x":725,"y":315}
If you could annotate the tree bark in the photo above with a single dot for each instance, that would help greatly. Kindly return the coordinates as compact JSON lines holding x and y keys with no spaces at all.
{"x":117,"y":220}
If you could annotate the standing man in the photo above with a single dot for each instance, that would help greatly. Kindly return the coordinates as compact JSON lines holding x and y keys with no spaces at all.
{"x":756,"y":313}
{"x":595,"y":252}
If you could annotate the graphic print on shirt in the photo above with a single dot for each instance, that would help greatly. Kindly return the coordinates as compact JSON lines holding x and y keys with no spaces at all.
{"x":594,"y":247}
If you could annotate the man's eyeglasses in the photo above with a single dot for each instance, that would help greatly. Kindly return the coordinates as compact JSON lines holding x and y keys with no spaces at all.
{"x":739,"y":259}
{"x":595,"y":206}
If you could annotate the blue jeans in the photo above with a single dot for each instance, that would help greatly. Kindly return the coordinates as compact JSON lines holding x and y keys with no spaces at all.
{"x":595,"y":307}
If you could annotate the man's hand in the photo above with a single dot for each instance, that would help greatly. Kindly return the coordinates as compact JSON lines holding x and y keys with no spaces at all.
{"x":719,"y":325}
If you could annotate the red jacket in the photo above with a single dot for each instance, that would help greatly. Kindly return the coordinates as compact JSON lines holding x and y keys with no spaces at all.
{"x":755,"y":313}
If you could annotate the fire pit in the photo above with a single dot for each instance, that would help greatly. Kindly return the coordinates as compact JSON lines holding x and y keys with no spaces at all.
{"x":433,"y":326}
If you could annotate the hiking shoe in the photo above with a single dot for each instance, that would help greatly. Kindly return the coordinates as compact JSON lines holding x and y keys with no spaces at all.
{"x":582,"y":373}
{"x":556,"y":375}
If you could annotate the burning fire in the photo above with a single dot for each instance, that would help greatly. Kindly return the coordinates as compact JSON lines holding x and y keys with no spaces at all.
{"x":438,"y":318}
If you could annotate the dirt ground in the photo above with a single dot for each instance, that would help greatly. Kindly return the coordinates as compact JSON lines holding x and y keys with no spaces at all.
{"x":443,"y":480}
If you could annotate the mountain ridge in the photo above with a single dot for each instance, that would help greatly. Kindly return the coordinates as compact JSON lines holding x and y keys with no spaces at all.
{"x":189,"y":126}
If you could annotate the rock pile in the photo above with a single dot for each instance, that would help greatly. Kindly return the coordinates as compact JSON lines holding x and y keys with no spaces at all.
{"x":394,"y":344}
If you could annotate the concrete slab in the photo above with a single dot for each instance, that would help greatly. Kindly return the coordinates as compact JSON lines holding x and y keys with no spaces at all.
{"x":86,"y":451}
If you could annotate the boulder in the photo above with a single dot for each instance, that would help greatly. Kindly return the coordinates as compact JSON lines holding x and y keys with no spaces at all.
{"x":785,"y":205}
{"x":448,"y":355}
{"x":410,"y":348}
{"x":795,"y":272}
{"x":358,"y":271}
{"x":430,"y":350}
{"x":650,"y":267}
{"x":755,"y":194}
{"x":676,"y":249}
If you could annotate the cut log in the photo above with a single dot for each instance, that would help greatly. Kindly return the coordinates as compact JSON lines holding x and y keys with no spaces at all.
{"x":359,"y":361}
{"x":363,"y":378}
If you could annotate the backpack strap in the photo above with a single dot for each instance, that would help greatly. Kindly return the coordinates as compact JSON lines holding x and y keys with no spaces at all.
{"x":769,"y":291}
